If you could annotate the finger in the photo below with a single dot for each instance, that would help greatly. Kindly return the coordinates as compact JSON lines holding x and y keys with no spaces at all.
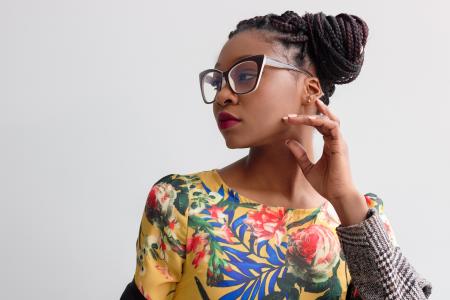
{"x":326,"y":111}
{"x":323,"y":124}
{"x":300,"y":155}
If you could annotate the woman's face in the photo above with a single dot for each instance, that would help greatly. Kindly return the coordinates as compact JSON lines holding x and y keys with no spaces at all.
{"x":280,"y":92}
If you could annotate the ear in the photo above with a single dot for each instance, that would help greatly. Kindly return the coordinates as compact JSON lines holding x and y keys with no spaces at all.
{"x":312,"y":88}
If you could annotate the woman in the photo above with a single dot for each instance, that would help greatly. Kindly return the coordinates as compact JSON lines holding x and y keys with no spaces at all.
{"x":274,"y":225}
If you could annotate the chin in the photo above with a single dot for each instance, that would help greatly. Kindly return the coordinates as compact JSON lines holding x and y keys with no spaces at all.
{"x":236,"y":145}
{"x":236,"y":142}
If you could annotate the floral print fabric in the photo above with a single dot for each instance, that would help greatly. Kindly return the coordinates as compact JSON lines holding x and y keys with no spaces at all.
{"x":199,"y":239}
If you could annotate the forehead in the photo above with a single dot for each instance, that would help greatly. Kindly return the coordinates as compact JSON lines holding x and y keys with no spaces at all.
{"x":246,"y":43}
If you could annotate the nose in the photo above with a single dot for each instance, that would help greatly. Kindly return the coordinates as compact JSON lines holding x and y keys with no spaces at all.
{"x":226,"y":94}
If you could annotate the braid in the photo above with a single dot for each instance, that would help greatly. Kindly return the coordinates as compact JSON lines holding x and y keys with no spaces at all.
{"x":334,"y":44}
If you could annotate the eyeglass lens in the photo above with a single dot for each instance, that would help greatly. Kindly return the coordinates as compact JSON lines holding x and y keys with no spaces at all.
{"x":242,"y":77}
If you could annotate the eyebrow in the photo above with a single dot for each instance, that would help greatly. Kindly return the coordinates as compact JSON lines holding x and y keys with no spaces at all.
{"x":237,"y":58}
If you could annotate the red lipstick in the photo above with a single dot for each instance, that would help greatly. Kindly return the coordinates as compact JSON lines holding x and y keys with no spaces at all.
{"x":227,"y":120}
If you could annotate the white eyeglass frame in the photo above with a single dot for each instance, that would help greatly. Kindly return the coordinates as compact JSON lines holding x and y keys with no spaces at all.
{"x":261,"y":60}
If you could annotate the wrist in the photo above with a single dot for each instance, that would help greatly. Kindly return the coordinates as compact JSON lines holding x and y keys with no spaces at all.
{"x":352,"y":208}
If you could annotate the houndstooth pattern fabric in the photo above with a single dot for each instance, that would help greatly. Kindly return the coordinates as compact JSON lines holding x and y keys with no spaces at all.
{"x":370,"y":254}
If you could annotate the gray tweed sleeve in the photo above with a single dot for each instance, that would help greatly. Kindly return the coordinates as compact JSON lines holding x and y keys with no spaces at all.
{"x":377,"y":267}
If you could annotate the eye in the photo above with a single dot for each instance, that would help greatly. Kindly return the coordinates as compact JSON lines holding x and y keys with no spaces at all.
{"x":246,"y":76}
{"x":215,"y":83}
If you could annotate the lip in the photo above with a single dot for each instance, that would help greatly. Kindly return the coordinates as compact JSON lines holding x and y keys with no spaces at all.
{"x":227,"y":120}
{"x":223,"y":116}
{"x":224,"y":124}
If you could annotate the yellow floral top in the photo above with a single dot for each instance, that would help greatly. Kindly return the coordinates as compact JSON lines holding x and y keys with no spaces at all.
{"x":199,"y":239}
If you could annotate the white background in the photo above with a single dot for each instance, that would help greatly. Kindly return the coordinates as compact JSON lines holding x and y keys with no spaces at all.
{"x":99,"y":99}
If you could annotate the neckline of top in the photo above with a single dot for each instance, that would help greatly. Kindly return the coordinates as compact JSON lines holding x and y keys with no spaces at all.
{"x":243,"y":198}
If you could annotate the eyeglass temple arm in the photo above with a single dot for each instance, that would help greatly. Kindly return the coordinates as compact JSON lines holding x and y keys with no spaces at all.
{"x":278,"y":64}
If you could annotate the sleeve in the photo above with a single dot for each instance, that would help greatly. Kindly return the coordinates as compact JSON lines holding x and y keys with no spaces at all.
{"x":377,"y":266}
{"x":160,"y":246}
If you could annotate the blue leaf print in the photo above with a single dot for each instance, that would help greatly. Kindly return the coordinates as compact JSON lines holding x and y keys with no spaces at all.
{"x":234,"y":294}
{"x":273,"y":257}
{"x":248,"y":291}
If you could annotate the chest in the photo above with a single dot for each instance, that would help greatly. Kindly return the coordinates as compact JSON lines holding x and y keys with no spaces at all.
{"x":251,"y":250}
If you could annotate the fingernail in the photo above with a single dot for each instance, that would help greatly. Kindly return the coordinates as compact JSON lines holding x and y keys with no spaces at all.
{"x":292,"y":115}
{"x":285,"y":118}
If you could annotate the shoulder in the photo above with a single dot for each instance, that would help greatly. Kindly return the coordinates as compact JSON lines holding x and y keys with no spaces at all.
{"x":171,"y":193}
{"x":374,"y":201}
{"x":376,"y":207}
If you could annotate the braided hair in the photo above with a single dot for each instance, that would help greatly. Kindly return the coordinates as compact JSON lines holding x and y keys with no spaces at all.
{"x":334,"y":44}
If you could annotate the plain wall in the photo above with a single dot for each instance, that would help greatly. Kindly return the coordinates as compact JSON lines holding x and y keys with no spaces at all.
{"x":99,"y":99}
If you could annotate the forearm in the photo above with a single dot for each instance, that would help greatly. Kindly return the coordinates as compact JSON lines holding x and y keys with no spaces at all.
{"x":378,"y":269}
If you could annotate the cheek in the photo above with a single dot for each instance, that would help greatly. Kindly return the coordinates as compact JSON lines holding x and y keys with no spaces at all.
{"x":264,"y":115}
{"x":273,"y":101}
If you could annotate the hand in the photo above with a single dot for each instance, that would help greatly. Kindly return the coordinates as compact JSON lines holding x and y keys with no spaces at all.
{"x":330,"y":175}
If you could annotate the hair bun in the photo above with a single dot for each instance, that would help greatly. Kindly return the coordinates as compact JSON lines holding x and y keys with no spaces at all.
{"x":337,"y":45}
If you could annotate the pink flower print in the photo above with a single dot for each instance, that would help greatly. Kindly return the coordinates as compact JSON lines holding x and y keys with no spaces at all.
{"x":226,"y":233}
{"x":170,"y":234}
{"x":328,"y":215}
{"x":198,"y":244}
{"x":312,"y":253}
{"x":164,"y":270}
{"x":141,"y":289}
{"x":163,"y":246}
{"x":227,"y":266}
{"x":388,"y":228}
{"x":267,"y":223}
{"x":173,"y":223}
{"x":195,"y":242}
{"x":198,"y":258}
{"x":373,"y":201}
{"x":216,"y":212}
{"x":151,"y":199}
{"x":161,"y":196}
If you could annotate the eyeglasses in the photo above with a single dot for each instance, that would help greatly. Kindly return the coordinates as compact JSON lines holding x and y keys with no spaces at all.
{"x":243,"y":76}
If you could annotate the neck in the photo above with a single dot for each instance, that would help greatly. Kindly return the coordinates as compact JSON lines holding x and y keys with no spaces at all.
{"x":273,"y":167}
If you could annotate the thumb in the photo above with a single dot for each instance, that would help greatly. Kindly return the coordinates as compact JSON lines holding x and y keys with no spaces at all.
{"x":299,"y":153}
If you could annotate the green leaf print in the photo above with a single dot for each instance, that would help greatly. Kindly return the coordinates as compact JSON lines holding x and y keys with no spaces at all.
{"x":181,"y":202}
